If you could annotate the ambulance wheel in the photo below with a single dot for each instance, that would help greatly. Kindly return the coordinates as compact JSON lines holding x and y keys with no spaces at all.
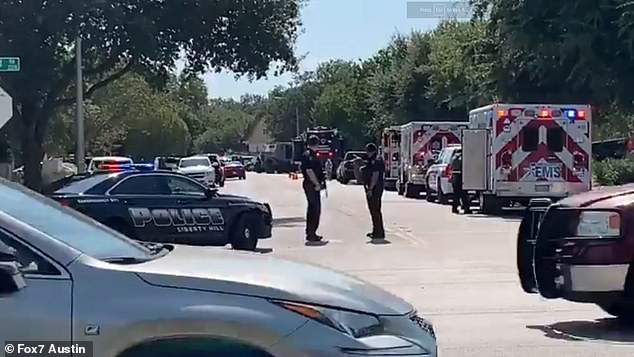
{"x":442,"y":197}
{"x":411,"y":191}
{"x":489,"y":204}
{"x":400,"y":188}
{"x":244,"y":232}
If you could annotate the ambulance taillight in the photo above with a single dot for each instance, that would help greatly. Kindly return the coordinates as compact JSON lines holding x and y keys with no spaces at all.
{"x":507,"y":160}
{"x":448,"y":172}
{"x":579,"y":161}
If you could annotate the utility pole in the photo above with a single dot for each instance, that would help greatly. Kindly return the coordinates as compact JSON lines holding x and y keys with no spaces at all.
{"x":80,"y":155}
{"x":296,"y":121}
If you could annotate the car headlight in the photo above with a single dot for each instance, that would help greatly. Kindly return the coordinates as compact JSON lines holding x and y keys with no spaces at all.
{"x":351,"y":323}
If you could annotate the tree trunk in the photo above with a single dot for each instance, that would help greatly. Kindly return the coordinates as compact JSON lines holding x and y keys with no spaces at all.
{"x":32,"y":155}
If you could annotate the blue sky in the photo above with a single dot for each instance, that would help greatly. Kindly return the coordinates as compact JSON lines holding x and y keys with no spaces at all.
{"x":333,"y":29}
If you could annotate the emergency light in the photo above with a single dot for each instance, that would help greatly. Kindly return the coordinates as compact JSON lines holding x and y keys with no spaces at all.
{"x":573,"y":114}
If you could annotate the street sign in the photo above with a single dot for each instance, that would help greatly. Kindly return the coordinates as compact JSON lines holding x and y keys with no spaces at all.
{"x":6,"y":107}
{"x":9,"y":64}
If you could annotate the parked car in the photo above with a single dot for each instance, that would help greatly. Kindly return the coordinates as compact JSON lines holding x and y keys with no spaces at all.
{"x":248,"y":162}
{"x":346,"y":169}
{"x":438,"y":176}
{"x":166,"y":163}
{"x":235,"y":169}
{"x":66,"y":277}
{"x":198,"y":168}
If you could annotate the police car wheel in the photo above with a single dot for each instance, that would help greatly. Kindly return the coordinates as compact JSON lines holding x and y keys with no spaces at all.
{"x":244,"y":233}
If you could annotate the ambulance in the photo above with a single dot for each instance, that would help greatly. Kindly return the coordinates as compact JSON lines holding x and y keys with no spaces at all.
{"x":421,"y":142}
{"x":391,"y":147}
{"x":516,"y":152}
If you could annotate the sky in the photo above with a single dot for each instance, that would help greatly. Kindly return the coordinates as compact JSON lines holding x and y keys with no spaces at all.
{"x":339,"y":29}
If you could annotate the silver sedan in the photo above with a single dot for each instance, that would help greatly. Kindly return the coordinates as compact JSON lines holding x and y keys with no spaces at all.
{"x":65,"y":277}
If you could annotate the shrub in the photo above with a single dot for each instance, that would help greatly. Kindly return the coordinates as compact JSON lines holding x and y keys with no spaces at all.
{"x":613,"y":172}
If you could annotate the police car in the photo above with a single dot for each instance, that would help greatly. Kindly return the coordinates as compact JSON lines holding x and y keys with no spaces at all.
{"x":167,"y":207}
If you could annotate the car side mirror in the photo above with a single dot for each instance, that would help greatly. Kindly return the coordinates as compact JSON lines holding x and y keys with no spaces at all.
{"x":11,"y":278}
{"x":211,"y":192}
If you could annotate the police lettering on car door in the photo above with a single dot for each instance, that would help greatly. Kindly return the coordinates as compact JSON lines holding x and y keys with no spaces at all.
{"x":185,"y":220}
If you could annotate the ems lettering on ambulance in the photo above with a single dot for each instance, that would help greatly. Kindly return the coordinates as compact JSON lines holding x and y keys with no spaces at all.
{"x":543,"y":170}
{"x":185,"y":220}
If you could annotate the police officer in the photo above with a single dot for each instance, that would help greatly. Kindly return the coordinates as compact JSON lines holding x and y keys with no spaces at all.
{"x":313,"y":183}
{"x":373,"y":173}
{"x":460,"y":197}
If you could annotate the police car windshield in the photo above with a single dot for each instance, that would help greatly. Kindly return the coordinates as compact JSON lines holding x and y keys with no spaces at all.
{"x":83,"y":185}
{"x":66,"y":225}
{"x":194,"y":162}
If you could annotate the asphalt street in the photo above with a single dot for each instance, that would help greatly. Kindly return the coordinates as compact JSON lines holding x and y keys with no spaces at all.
{"x":457,"y":270}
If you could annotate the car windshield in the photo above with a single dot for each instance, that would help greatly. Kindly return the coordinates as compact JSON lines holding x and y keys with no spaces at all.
{"x":84,"y":185}
{"x":194,"y":162}
{"x":234,"y":163}
{"x":66,"y":225}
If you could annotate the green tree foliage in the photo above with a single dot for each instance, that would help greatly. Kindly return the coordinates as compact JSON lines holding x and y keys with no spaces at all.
{"x":120,"y":36}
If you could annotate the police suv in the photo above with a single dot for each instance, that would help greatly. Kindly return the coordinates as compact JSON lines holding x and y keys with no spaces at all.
{"x":167,"y":207}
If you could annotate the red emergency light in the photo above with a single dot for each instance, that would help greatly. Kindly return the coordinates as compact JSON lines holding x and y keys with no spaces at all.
{"x":501,"y":113}
{"x":581,"y":114}
{"x":544,"y":114}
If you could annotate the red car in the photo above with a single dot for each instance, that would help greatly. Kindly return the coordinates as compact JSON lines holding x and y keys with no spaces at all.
{"x":581,"y":249}
{"x":235,"y":169}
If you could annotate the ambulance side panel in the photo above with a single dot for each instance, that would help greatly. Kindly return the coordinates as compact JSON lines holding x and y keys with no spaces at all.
{"x":475,"y":166}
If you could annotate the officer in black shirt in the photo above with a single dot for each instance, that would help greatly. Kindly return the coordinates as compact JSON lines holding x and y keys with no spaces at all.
{"x":314,"y":182}
{"x":460,"y":196}
{"x":373,"y":173}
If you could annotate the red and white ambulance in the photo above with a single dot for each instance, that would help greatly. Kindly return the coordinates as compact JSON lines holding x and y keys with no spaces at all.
{"x":515,"y":152}
{"x":391,"y":147}
{"x":421,"y":142}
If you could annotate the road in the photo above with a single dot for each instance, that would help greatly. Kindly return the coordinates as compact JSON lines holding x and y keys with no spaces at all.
{"x":458,"y":271}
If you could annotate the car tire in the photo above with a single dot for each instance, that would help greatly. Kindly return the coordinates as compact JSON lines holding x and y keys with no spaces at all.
{"x":442,"y":197}
{"x":400,"y":188}
{"x":345,"y":180}
{"x":428,"y":195}
{"x":490,"y":205}
{"x":411,"y":191}
{"x":622,"y":311}
{"x":244,"y":232}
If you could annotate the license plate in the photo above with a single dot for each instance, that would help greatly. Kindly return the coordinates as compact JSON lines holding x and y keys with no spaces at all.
{"x":542,"y":188}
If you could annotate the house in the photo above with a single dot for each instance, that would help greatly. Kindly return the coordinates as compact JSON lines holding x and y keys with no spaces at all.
{"x":259,"y":137}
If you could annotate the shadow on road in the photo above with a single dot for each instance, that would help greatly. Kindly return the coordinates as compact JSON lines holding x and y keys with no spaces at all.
{"x":606,"y":330}
{"x":378,"y":241}
{"x":513,"y":214}
{"x":263,"y":250}
{"x":288,"y":221}
{"x":321,"y":243}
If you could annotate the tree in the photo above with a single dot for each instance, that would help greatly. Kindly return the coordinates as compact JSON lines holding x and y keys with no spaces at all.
{"x":461,"y":66}
{"x":124,"y":35}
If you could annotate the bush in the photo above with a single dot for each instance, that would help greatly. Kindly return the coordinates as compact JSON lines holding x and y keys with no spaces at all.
{"x":613,"y":172}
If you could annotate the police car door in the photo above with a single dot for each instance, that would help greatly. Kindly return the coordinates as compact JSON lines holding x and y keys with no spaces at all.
{"x":146,"y":201}
{"x":201,"y":219}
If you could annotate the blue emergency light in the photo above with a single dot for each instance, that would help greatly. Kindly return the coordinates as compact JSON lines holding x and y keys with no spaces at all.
{"x":573,"y":114}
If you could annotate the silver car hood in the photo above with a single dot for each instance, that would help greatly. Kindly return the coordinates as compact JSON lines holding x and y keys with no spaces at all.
{"x":251,"y":274}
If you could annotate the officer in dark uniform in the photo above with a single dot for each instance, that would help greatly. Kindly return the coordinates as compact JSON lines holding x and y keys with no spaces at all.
{"x":373,"y":173}
{"x":460,"y":197}
{"x":314,"y":182}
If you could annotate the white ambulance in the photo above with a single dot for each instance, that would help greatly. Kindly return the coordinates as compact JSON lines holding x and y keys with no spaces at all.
{"x":391,"y":147}
{"x":421,"y":142}
{"x":515,"y":152}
